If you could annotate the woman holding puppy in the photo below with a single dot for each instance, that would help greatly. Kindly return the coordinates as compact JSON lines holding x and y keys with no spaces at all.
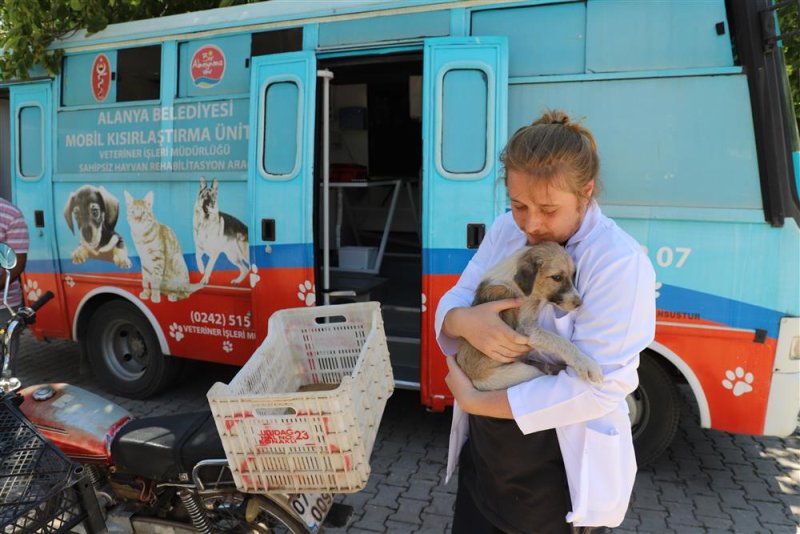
{"x":553,"y":454}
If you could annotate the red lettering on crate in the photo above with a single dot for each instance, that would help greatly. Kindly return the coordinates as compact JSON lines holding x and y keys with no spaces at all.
{"x":230,"y":422}
{"x":281,"y":436}
{"x":244,"y":467}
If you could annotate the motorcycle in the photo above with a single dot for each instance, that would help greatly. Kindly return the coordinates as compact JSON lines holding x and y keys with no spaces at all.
{"x":164,"y":474}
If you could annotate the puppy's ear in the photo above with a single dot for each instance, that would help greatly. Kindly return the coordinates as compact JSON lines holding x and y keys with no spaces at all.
{"x":148,"y":199}
{"x":214,"y":184}
{"x":112,"y":207}
{"x":202,"y":182}
{"x":526,"y":274}
{"x":128,"y":198}
{"x":68,"y":209}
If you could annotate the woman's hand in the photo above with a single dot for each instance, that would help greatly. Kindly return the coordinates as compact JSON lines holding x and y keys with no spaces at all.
{"x":483,"y":328}
{"x":459,"y":383}
{"x":473,"y":401}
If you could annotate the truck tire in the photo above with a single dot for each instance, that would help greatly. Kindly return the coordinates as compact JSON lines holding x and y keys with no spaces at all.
{"x":124,"y":352}
{"x":654,"y":410}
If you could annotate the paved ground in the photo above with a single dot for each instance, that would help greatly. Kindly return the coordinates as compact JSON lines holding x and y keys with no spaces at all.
{"x":707,"y":481}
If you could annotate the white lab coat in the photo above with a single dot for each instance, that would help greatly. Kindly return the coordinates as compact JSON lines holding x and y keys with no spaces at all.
{"x":616,"y":321}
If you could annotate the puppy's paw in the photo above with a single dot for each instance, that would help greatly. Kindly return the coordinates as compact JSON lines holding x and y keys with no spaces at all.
{"x":589,"y":370}
{"x":79,"y":255}
{"x":122,"y":262}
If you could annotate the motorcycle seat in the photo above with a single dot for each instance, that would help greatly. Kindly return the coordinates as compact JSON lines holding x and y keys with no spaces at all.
{"x":164,"y":447}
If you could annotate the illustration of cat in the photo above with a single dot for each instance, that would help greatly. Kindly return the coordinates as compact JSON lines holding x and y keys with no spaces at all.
{"x":163,"y":267}
{"x":216,"y":232}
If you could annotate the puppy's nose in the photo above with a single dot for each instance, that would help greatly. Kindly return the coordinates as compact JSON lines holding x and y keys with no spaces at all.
{"x":576,"y":301}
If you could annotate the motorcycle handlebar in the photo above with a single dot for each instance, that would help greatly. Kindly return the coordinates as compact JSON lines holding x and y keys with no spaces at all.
{"x":41,"y":301}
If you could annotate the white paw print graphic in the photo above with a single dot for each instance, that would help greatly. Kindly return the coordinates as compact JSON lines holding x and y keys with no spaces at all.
{"x":227,"y":346}
{"x":658,"y":289}
{"x":69,"y":281}
{"x":254,"y":277}
{"x":32,"y":290}
{"x":176,"y":331}
{"x":268,"y":249}
{"x":306,"y":293}
{"x":423,"y":303}
{"x":738,"y":381}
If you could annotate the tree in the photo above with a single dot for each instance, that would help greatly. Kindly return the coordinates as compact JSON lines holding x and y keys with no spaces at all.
{"x":29,"y":27}
{"x":789,"y":20}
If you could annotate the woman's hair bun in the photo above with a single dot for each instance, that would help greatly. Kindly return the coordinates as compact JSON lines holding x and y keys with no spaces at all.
{"x":553,"y":117}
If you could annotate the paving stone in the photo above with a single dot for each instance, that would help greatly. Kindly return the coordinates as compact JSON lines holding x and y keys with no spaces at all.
{"x":734,"y":498}
{"x":432,"y":523}
{"x":420,"y":490}
{"x":673,"y":493}
{"x":745,"y":520}
{"x":374,"y":518}
{"x":776,"y":512}
{"x":647,"y":499}
{"x":409,"y":511}
{"x":714,"y":521}
{"x":709,"y":506}
{"x":442,"y":503}
{"x":683,"y":516}
{"x":779,"y":529}
{"x":758,"y":491}
{"x":653,"y":521}
{"x":387,"y":496}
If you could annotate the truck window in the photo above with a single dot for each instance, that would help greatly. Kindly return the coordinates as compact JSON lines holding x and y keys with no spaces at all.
{"x":464,"y":135}
{"x":275,"y":42}
{"x":139,"y":73}
{"x":281,"y":116}
{"x":29,"y":142}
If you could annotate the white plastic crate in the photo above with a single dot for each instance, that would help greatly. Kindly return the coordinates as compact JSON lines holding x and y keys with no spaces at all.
{"x":280,"y":440}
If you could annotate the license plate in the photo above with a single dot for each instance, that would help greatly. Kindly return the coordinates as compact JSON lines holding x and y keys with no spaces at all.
{"x":312,"y":508}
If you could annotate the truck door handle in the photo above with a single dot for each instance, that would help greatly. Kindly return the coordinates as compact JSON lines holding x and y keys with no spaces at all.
{"x":475,"y":233}
{"x":267,"y":229}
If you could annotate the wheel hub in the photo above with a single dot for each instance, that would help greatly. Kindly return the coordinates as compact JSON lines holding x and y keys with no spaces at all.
{"x":638,"y":410}
{"x":125,"y":351}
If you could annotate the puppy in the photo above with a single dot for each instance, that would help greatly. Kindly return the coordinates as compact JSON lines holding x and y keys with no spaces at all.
{"x":538,"y":274}
{"x":95,"y":211}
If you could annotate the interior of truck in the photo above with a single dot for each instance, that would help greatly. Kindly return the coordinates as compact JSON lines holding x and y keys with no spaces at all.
{"x":374,"y":201}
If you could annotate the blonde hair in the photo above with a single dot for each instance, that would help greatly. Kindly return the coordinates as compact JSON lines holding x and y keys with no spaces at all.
{"x":556,"y":150}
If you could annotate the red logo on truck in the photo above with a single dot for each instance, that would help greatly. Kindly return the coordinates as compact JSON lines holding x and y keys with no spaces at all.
{"x":208,"y":66}
{"x":101,"y":77}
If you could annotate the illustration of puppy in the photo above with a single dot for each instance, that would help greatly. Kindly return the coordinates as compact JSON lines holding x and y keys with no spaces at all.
{"x":537,"y":274}
{"x":95,"y":211}
{"x":216,"y":232}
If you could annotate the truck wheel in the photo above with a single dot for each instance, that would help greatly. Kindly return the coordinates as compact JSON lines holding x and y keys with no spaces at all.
{"x":654,"y":410}
{"x":124,"y":352}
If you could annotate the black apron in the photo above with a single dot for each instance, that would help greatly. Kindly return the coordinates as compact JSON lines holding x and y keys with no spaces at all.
{"x":517,"y":481}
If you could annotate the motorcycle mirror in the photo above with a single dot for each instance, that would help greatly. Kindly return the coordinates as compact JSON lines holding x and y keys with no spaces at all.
{"x":8,"y":258}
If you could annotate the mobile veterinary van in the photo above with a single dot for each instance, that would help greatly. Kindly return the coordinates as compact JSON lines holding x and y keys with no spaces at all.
{"x":184,"y":178}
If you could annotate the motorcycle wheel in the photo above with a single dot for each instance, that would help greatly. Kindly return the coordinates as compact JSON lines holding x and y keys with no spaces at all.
{"x":124,"y":352}
{"x":228,"y":513}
